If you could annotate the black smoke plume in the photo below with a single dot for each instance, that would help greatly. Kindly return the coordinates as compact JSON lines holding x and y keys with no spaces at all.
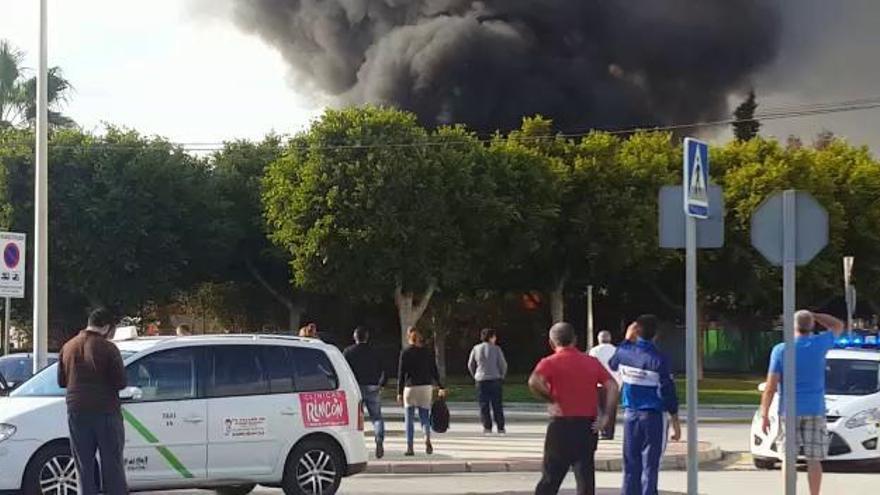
{"x":584,"y":63}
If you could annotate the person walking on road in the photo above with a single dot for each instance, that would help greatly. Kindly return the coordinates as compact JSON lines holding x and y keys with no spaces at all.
{"x":603,"y":352}
{"x":488,"y":367}
{"x":416,"y":375}
{"x":648,"y":395}
{"x":90,"y":368}
{"x":364,"y":362}
{"x":809,"y":425}
{"x":568,"y":380}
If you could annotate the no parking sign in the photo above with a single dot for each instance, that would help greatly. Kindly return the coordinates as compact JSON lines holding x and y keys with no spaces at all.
{"x":12,"y":267}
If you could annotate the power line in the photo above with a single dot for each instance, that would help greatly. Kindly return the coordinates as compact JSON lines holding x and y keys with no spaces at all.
{"x":771,"y":113}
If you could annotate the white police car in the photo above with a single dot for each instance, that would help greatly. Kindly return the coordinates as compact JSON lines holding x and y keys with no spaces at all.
{"x":852,"y":401}
{"x":217,"y":412}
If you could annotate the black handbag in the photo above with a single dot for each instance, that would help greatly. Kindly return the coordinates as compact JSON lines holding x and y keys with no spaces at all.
{"x":440,"y":416}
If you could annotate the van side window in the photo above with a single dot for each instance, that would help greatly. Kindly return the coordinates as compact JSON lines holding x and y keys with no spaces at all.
{"x":314,"y":372}
{"x":279,"y":369}
{"x":237,"y":370}
{"x":166,"y":375}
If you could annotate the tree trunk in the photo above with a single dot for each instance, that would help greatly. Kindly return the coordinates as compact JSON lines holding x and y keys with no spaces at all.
{"x":408,"y":309}
{"x":295,"y":306}
{"x":557,"y":300}
{"x":295,"y":313}
{"x":440,"y":334}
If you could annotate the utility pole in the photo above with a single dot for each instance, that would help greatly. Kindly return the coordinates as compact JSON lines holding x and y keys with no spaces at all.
{"x":41,"y":207}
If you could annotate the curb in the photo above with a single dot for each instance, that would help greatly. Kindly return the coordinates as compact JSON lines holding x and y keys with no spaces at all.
{"x":669,"y":463}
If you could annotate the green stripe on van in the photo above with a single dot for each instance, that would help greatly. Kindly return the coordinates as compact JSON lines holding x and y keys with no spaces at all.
{"x":169,"y":457}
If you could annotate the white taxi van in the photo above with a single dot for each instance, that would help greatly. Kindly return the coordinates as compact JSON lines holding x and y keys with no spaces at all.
{"x":852,"y":402}
{"x":212,"y":412}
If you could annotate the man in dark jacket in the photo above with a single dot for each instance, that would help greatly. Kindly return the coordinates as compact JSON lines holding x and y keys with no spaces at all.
{"x":90,"y":368}
{"x":364,"y":362}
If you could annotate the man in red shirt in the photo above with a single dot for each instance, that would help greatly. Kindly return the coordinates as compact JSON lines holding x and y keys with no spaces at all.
{"x":569,"y":380}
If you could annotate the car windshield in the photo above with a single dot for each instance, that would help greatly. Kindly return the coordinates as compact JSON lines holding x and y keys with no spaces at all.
{"x":852,"y":377}
{"x":17,"y":369}
{"x":45,"y":383}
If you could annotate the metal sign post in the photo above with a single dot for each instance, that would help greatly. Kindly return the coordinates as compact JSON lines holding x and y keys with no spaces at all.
{"x":6,"y":334}
{"x":696,"y":205}
{"x":590,"y":333}
{"x":849,"y":291}
{"x":789,"y":229}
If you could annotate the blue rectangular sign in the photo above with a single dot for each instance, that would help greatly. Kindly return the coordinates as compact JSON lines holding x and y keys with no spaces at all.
{"x":696,"y":178}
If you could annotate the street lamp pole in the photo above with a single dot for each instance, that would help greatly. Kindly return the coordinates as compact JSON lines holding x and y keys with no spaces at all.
{"x":41,"y":204}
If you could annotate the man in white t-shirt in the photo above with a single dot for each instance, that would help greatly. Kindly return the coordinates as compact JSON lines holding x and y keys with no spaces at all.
{"x":603,"y":352}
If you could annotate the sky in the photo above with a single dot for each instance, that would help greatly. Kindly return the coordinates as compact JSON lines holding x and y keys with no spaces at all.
{"x":176,"y":69}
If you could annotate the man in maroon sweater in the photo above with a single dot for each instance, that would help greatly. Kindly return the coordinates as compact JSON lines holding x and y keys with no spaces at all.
{"x":90,"y":368}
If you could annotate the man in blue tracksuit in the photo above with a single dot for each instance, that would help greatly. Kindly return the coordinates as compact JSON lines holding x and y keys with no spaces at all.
{"x":648,"y":394}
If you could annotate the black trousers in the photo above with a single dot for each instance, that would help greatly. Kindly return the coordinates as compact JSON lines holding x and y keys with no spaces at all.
{"x":608,"y":432}
{"x":570,"y":444}
{"x":489,"y":395}
{"x":104,"y":434}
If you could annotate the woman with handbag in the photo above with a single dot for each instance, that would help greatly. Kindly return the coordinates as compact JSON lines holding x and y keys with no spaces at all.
{"x":416,"y":375}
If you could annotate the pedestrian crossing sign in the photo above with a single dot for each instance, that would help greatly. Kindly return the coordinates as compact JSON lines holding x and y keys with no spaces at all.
{"x":696,"y":178}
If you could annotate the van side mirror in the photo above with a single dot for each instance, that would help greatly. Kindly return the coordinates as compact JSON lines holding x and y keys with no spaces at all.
{"x":762,"y":387}
{"x":131,"y":393}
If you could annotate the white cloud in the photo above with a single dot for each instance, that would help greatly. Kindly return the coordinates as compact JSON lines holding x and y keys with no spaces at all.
{"x":155,"y":67}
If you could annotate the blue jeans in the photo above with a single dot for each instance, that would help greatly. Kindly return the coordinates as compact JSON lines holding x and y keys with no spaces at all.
{"x":424,"y":419}
{"x":373,"y":405}
{"x":644,"y":440}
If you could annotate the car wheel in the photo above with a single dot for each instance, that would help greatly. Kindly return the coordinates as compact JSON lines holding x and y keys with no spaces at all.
{"x":235,"y":490}
{"x":764,"y":462}
{"x":51,"y":471}
{"x":314,"y":468}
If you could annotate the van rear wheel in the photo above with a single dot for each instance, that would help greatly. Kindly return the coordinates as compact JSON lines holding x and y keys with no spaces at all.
{"x":51,"y":471}
{"x":235,"y":490}
{"x":314,"y":468}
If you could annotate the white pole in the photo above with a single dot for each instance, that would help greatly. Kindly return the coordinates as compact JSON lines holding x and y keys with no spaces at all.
{"x":41,"y":204}
{"x":691,"y":350}
{"x":590,"y":334}
{"x":789,"y":257}
{"x":848,"y":291}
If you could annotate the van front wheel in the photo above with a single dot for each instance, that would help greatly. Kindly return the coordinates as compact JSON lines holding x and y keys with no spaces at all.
{"x":314,"y":468}
{"x":51,"y":471}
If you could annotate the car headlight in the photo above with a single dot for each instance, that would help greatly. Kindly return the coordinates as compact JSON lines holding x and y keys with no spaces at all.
{"x":6,"y":431}
{"x":863,"y":418}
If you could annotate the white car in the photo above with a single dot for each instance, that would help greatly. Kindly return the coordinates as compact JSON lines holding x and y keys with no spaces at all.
{"x":852,"y":401}
{"x":217,"y":412}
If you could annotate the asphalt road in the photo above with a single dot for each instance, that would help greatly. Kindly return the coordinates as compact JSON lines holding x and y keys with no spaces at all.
{"x":734,"y":476}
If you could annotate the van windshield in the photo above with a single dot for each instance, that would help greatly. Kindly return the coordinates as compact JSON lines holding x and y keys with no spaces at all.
{"x":852,"y":377}
{"x":45,"y":383}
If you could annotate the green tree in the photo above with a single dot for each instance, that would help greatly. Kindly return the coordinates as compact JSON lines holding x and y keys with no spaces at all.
{"x":361,"y":217}
{"x":238,"y":170}
{"x":18,"y":94}
{"x":132,"y":220}
{"x":746,"y":127}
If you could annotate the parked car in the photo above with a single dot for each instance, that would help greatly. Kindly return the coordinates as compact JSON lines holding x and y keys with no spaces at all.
{"x":852,"y":402}
{"x":18,"y":368}
{"x":211,"y":412}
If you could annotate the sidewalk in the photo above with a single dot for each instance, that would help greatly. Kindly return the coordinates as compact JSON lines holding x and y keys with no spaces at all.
{"x":464,"y":449}
{"x":524,"y":411}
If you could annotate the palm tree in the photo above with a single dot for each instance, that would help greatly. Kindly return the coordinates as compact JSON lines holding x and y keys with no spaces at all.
{"x":18,"y":95}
